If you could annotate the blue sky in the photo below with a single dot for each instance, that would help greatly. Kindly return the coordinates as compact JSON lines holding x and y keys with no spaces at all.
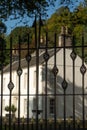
{"x":11,"y":24}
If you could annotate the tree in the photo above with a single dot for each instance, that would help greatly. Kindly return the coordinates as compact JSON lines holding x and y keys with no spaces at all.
{"x":76,"y":22}
{"x":79,"y":15}
{"x":25,"y":7}
{"x":2,"y":28}
{"x":28,"y":7}
{"x":2,"y":44}
{"x":23,"y":31}
{"x":7,"y":108}
{"x":62,"y":17}
{"x":72,"y":2}
{"x":13,"y":109}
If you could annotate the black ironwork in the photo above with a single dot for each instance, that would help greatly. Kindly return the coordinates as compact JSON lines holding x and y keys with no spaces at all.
{"x":37,"y":111}
{"x":73,"y":55}
{"x":55,"y":70}
{"x":28,"y":58}
{"x":49,"y":82}
{"x":10,"y":86}
{"x":46,"y":56}
{"x":64,"y":84}
{"x":83,"y":69}
{"x":19,"y":71}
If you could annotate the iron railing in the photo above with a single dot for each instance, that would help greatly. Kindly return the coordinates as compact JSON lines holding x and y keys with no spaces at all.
{"x":46,"y":84}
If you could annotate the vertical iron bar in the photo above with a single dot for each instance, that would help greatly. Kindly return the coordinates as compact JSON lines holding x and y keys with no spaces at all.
{"x":55,"y":126}
{"x":10,"y":81}
{"x":19,"y":85}
{"x":83,"y":82}
{"x":35,"y":32}
{"x":39,"y":35}
{"x":73,"y":85}
{"x":5,"y":126}
{"x":11,"y":59}
{"x":1,"y":94}
{"x":13,"y":126}
{"x":28,"y":70}
{"x":46,"y":83}
{"x":37,"y":72}
{"x":64,"y":74}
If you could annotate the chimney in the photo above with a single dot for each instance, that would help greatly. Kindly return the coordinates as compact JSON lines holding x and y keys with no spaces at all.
{"x":68,"y":37}
{"x":41,"y":40}
{"x":66,"y":30}
{"x":15,"y":54}
{"x":62,"y":30}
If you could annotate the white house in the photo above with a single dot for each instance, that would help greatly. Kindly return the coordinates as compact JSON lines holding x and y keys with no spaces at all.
{"x":44,"y":86}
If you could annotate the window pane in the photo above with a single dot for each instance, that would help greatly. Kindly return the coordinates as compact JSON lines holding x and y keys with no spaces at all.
{"x":52,"y":102}
{"x":34,"y":103}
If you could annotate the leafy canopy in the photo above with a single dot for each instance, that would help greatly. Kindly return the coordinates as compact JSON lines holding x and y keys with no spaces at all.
{"x":29,"y":7}
{"x":11,"y":108}
{"x":76,"y":22}
{"x":23,"y":31}
{"x":22,"y":7}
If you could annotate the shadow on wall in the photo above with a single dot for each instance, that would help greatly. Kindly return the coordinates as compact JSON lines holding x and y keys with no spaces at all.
{"x":73,"y":99}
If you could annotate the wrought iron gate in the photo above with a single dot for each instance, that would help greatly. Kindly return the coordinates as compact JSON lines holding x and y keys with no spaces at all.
{"x":47,"y":87}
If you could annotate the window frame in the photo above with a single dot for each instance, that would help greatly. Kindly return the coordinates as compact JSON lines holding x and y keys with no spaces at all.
{"x":51,"y":106}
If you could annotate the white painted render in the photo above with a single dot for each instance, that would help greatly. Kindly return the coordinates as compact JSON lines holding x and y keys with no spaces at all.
{"x":69,"y":78}
{"x":50,"y":87}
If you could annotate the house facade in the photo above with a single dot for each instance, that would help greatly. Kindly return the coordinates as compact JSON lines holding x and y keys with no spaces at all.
{"x":38,"y":84}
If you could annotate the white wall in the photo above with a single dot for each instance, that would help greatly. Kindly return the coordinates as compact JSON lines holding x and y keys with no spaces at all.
{"x":23,"y":89}
{"x":50,"y":85}
{"x":69,"y":79}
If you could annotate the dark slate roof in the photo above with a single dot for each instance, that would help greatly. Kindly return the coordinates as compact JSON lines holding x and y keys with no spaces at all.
{"x":24,"y":64}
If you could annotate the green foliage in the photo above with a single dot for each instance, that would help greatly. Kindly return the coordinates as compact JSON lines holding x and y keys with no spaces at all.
{"x":7,"y":108}
{"x":22,"y":32}
{"x":3,"y":45}
{"x":11,"y":108}
{"x":60,"y":18}
{"x":21,"y":8}
{"x":2,"y":52}
{"x":64,"y":17}
{"x":76,"y":21}
{"x":2,"y":28}
{"x":79,"y":16}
